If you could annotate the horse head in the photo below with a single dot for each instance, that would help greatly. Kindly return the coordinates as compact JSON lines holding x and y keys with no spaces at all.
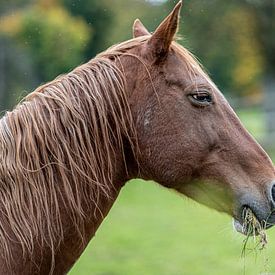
{"x":189,"y":137}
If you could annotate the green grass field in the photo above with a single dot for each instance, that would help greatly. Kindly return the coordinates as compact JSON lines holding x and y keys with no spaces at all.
{"x":151,"y":230}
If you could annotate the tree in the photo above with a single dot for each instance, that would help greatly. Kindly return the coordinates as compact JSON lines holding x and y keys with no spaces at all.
{"x":99,"y":16}
{"x":55,"y":40}
{"x":16,"y":71}
{"x":264,"y":16}
{"x":7,"y":6}
{"x":112,"y":20}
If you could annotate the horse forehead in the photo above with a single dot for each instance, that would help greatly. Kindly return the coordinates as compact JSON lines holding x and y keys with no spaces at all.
{"x":179,"y":69}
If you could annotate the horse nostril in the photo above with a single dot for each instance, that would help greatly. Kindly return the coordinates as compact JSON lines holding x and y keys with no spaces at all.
{"x":273,"y":193}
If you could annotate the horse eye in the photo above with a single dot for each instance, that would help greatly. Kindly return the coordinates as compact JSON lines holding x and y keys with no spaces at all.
{"x":200,"y":98}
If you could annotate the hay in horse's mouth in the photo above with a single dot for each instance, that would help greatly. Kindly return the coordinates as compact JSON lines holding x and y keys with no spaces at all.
{"x":251,"y":226}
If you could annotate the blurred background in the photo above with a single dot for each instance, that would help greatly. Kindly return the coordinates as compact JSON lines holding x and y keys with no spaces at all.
{"x":151,"y":230}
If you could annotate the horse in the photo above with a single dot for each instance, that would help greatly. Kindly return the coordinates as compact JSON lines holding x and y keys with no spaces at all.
{"x":144,"y":108}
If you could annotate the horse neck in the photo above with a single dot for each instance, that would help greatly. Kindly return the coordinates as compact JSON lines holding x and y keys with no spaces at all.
{"x":78,"y":190}
{"x":122,"y":169}
{"x":74,"y":244}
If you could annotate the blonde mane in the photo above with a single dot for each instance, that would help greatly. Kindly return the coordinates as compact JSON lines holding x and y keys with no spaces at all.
{"x":62,"y":137}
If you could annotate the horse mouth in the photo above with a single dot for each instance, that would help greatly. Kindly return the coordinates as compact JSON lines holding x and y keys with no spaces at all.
{"x":249,"y":224}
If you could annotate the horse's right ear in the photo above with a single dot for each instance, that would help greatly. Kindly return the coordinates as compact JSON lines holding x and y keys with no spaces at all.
{"x":162,"y":38}
{"x":139,"y":29}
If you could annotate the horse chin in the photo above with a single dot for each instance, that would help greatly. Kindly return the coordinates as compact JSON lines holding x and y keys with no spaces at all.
{"x":238,"y":226}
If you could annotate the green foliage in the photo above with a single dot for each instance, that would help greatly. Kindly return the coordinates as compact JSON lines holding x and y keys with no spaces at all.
{"x":9,"y":5}
{"x":15,"y":73}
{"x":56,"y":40}
{"x":125,"y":12}
{"x":248,"y":68}
{"x":97,"y":14}
{"x":263,"y":15}
{"x":112,"y":23}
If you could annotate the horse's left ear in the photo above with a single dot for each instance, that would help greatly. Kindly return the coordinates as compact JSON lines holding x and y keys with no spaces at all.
{"x":165,"y":33}
{"x":139,"y":29}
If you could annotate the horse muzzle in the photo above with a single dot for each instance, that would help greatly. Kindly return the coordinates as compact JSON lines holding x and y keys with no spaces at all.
{"x":253,"y":214}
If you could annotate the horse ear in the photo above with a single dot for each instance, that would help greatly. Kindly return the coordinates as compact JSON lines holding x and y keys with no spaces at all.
{"x":165,"y":33}
{"x":139,"y":29}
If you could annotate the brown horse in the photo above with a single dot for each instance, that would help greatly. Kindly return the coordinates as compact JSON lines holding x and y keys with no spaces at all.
{"x":143,"y":108}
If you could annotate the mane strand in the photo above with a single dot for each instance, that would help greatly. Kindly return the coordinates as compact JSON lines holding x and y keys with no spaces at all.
{"x":59,"y":144}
